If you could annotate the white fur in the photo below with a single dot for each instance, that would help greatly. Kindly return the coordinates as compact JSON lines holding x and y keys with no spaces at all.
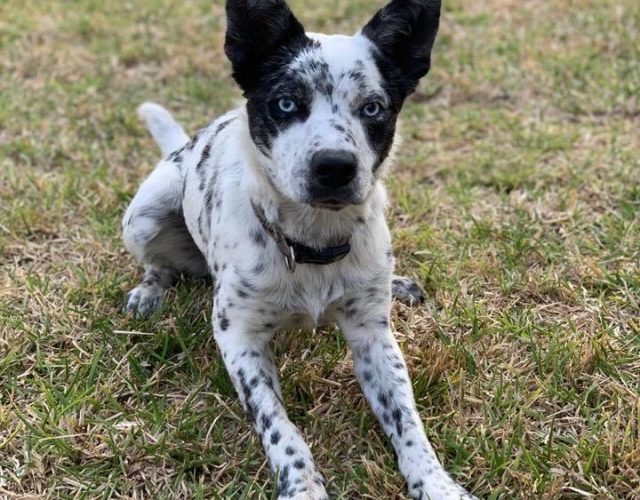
{"x":164,"y":129}
{"x":256,"y":294}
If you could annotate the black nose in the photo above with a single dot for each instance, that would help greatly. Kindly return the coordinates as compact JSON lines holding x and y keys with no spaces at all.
{"x":334,"y":168}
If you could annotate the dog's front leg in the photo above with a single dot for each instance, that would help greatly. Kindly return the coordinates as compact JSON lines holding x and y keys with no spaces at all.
{"x":250,"y":364}
{"x":382,"y":373}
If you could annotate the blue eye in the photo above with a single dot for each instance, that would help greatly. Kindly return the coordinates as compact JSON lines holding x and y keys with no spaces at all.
{"x":372,"y":109}
{"x":287,"y":105}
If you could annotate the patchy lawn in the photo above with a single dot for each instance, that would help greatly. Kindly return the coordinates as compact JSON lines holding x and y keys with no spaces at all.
{"x":515,"y":202}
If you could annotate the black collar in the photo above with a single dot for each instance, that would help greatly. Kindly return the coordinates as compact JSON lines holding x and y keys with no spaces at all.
{"x":297,"y":253}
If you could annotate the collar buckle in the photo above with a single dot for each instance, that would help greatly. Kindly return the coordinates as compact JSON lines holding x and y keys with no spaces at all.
{"x":286,"y":250}
{"x":290,"y":260}
{"x":295,"y":253}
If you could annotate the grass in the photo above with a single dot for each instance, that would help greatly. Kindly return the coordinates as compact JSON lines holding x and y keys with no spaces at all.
{"x":515,"y":202}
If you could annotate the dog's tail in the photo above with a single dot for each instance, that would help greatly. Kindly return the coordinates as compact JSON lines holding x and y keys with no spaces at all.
{"x":165,"y":130}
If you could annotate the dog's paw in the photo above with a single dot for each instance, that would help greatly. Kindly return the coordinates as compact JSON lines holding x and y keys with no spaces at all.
{"x":306,"y":493}
{"x":439,"y":488}
{"x":144,"y":300}
{"x":406,"y":291}
{"x":310,"y":487}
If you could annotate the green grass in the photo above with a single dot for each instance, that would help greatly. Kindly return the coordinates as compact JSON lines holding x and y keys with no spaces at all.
{"x":515,"y":202}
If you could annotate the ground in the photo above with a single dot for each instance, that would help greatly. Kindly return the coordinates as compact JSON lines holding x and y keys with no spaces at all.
{"x":515,"y":202}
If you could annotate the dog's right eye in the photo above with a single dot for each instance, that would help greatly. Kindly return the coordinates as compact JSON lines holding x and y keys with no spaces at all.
{"x":287,"y":105}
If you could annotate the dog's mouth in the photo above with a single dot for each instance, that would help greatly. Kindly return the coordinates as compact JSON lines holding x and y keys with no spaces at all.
{"x":334,"y":199}
{"x":334,"y":205}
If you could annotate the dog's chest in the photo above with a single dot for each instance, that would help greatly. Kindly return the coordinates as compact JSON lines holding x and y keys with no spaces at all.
{"x":308,"y":300}
{"x":250,"y":271}
{"x":275,"y":295}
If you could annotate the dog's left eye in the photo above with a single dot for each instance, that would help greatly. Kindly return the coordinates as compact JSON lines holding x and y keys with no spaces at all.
{"x":372,"y":109}
{"x":287,"y":105}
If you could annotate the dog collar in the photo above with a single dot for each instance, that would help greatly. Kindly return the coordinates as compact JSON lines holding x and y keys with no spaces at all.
{"x":298,"y":253}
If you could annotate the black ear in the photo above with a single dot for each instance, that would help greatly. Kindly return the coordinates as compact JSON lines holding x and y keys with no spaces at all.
{"x":257,"y":30}
{"x":404,"y":32}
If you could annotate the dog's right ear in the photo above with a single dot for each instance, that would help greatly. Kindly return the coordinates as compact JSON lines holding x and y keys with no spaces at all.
{"x":256,"y":30}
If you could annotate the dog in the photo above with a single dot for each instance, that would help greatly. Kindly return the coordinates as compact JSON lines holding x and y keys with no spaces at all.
{"x":281,"y":201}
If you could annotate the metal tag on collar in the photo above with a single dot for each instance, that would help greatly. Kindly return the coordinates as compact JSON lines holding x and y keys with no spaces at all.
{"x":286,"y":250}
{"x":281,"y":242}
{"x":290,"y":260}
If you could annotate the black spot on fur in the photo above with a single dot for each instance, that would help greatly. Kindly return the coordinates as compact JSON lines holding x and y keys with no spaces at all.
{"x":176,"y":156}
{"x":208,"y":200}
{"x":224,"y":321}
{"x":203,"y":229}
{"x":259,"y":238}
{"x":283,"y":481}
{"x":338,"y":127}
{"x":245,"y":395}
{"x":275,"y":437}
{"x":151,"y":277}
{"x":223,"y":125}
{"x":384,"y":400}
{"x":397,"y":418}
{"x":204,"y":157}
{"x":249,"y":286}
{"x":266,"y":422}
{"x":192,"y":143}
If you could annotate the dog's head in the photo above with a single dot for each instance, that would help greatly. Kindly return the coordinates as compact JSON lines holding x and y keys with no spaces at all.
{"x":322,"y":108}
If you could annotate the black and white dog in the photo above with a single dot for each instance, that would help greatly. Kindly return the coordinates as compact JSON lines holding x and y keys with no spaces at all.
{"x":281,"y":201}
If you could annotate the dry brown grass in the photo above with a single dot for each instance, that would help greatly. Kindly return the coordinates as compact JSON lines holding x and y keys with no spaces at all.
{"x":515,"y":202}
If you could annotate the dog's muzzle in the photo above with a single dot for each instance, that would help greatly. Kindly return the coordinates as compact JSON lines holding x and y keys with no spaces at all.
{"x":332,"y":172}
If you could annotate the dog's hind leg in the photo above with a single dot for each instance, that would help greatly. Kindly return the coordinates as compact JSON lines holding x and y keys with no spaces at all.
{"x":149,"y":294}
{"x":154,"y":231}
{"x":406,"y":290}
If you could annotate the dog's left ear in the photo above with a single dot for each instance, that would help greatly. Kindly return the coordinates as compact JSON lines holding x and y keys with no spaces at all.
{"x":256,"y":30}
{"x":404,"y":32}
